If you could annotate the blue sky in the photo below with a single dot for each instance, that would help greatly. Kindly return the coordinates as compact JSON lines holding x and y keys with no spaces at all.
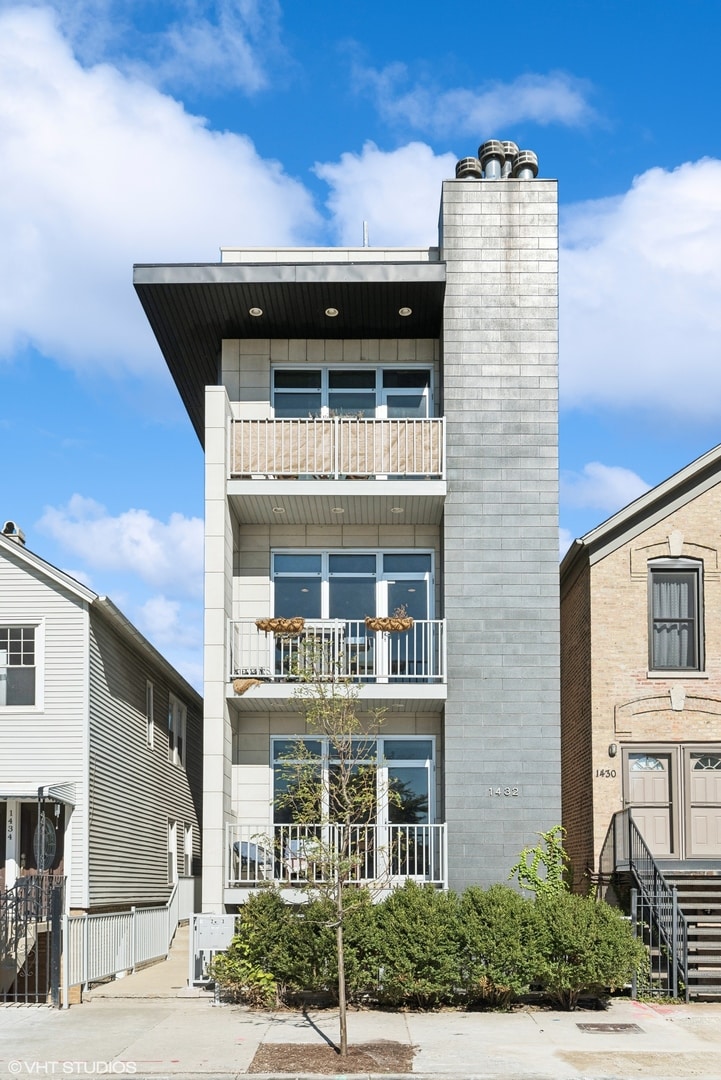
{"x":135,"y":132}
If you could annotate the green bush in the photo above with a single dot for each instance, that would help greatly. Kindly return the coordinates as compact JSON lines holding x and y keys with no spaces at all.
{"x":417,"y":942}
{"x":499,"y":945}
{"x":584,"y":944}
{"x":240,"y":979}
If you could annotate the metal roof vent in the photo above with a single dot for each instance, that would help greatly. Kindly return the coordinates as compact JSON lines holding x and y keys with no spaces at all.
{"x":14,"y":532}
{"x":525,"y":165}
{"x":468,"y":168}
{"x":491,"y":156}
{"x":510,"y":150}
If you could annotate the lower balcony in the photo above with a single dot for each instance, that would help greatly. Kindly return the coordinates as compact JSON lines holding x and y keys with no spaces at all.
{"x":295,"y":857}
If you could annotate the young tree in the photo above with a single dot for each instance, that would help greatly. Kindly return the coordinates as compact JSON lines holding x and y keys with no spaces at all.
{"x":333,"y":809}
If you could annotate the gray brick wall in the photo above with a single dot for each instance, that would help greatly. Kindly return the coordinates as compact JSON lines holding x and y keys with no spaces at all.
{"x":500,"y":536}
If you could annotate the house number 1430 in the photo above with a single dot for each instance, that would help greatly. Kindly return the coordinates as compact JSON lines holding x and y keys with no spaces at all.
{"x":513,"y":791}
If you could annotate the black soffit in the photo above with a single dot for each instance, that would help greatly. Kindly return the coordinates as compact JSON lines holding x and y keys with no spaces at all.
{"x":191,"y":309}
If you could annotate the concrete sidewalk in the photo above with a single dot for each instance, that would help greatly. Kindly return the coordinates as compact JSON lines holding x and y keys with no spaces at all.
{"x":147,"y":1025}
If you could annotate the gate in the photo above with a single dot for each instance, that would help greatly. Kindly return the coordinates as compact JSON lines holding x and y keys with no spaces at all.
{"x":30,"y":940}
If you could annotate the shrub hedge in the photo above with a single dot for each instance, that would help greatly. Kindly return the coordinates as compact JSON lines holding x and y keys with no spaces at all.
{"x":421,"y":948}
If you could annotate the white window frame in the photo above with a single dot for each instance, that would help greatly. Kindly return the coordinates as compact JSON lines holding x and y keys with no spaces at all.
{"x":172,"y":851}
{"x":382,"y":580}
{"x":381,"y":392}
{"x":149,"y":714}
{"x":187,"y":850}
{"x":38,"y":625}
{"x":177,"y":731}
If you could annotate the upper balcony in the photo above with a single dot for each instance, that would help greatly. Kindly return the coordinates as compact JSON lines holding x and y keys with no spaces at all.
{"x":314,"y":468}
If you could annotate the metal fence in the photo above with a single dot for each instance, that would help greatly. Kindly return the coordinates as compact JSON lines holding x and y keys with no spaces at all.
{"x":345,"y":648}
{"x":103,"y":945}
{"x":30,"y":940}
{"x":382,"y":855}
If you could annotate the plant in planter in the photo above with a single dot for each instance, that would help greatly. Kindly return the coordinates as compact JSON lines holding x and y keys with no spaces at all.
{"x":399,"y":621}
{"x":281,"y":626}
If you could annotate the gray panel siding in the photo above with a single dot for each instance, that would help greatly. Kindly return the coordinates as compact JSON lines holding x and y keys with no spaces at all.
{"x":46,"y":745}
{"x":500,"y":522}
{"x":135,"y":789}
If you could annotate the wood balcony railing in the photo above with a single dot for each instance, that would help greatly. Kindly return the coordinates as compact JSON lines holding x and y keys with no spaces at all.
{"x":337,"y":448}
{"x":343,"y":648}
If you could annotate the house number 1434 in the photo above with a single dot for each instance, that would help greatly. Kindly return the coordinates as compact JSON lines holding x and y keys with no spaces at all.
{"x":512,"y":791}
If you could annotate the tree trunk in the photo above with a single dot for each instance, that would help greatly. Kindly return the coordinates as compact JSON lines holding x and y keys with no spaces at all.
{"x":342,"y":1013}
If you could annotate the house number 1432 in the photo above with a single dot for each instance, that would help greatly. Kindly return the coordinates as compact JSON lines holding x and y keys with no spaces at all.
{"x":512,"y":791}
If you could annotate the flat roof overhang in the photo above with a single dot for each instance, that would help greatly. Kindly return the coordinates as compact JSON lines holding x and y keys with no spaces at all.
{"x":191,"y":308}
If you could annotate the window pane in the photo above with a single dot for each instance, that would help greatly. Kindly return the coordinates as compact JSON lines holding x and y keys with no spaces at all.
{"x":20,"y":686}
{"x":352,"y":404}
{"x":408,"y":796}
{"x":352,"y":598}
{"x":297,"y":596}
{"x":407,"y":749}
{"x":675,"y":625}
{"x":297,"y":564}
{"x":299,"y":379}
{"x":397,"y":378}
{"x":351,"y":380}
{"x":674,"y":595}
{"x":406,"y":406}
{"x":296,"y":405}
{"x":352,"y":564}
{"x":297,"y":792}
{"x":407,"y":563}
{"x":291,"y":748}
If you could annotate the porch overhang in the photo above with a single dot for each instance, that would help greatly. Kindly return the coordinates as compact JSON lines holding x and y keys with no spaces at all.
{"x":392,"y":697}
{"x":63,"y":792}
{"x":333,"y":502}
{"x":192,"y":308}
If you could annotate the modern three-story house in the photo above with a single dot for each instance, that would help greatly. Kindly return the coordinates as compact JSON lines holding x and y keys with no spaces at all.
{"x":380,"y":432}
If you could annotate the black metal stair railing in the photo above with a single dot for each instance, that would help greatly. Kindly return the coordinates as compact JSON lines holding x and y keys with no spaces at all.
{"x":655,"y":913}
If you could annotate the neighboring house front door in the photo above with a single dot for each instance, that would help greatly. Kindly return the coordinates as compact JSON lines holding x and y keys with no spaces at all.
{"x":41,"y":845}
{"x":675,"y":796}
{"x":703,"y":793}
{"x":648,"y":794}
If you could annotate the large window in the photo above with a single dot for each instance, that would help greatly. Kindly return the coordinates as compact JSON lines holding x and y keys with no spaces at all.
{"x":349,"y":585}
{"x":676,"y":610}
{"x":17,"y":665}
{"x":363,"y":392}
{"x":402,"y":769}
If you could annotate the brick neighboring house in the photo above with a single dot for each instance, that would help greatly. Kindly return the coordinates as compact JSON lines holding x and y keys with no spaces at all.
{"x":641,"y":677}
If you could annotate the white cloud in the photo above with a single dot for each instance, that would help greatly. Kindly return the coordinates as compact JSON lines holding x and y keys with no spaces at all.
{"x":556,"y":98}
{"x":601,"y":487}
{"x":100,"y":170}
{"x":163,"y":555}
{"x":210,"y":44}
{"x":397,"y":192}
{"x":167,"y":623}
{"x":640,"y":295}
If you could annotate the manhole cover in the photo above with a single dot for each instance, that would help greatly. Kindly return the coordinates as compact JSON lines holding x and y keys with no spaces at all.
{"x":621,"y":1029}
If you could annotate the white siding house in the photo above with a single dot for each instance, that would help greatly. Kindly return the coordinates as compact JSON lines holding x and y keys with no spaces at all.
{"x":85,"y":741}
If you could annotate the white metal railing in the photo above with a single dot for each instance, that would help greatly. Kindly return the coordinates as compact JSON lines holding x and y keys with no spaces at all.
{"x":338,"y":447}
{"x":298,"y":855}
{"x":99,"y":946}
{"x":328,"y":647}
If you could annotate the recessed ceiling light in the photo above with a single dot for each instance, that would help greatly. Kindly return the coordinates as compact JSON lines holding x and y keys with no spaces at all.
{"x":256,"y":312}
{"x":397,"y":510}
{"x":405,"y":311}
{"x":331,"y":312}
{"x":278,"y":509}
{"x":337,"y":510}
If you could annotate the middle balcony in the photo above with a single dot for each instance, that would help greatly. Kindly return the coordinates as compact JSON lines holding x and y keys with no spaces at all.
{"x":390,"y":662}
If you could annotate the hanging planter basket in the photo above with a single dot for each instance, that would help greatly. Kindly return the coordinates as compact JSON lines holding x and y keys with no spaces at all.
{"x":388,"y":623}
{"x":281,"y":626}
